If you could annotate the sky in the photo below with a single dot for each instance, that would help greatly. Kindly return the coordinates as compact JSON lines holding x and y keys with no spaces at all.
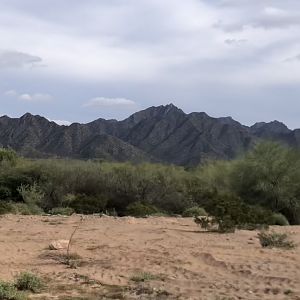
{"x":76,"y":61}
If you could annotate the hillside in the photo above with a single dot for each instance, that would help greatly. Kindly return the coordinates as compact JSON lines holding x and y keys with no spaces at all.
{"x":163,"y":133}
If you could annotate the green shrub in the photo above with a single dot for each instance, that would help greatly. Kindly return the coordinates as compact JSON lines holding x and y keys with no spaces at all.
{"x":226,"y":225}
{"x":86,"y":204}
{"x":8,"y":291}
{"x":65,"y":211}
{"x":279,"y":219}
{"x":24,"y":209}
{"x":8,"y":157}
{"x":194,"y":212}
{"x":275,"y":240}
{"x":138,"y":209}
{"x":31,"y":194}
{"x":19,"y":208}
{"x":7,"y":208}
{"x":29,"y":282}
{"x":5,"y":192}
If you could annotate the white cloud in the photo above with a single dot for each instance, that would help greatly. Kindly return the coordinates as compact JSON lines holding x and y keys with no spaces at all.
{"x":109,"y":102}
{"x":35,"y":97}
{"x":11,"y":93}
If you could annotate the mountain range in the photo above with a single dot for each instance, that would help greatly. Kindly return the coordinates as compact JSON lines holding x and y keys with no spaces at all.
{"x":158,"y":134}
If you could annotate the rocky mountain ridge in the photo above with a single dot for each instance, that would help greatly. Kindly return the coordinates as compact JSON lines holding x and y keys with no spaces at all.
{"x":159,"y":134}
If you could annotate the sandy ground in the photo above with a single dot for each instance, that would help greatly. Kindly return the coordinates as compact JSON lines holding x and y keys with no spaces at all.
{"x":186,"y":262}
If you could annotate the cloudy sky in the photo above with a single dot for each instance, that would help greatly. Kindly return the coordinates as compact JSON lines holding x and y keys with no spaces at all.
{"x":74,"y":60}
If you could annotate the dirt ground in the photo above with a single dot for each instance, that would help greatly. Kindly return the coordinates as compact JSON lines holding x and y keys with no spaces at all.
{"x":180,"y":261}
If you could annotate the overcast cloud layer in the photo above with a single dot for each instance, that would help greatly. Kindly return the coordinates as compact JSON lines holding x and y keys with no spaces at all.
{"x":75,"y":60}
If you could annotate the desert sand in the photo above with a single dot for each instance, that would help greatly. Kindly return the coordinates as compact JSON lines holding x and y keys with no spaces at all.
{"x":185,"y":261}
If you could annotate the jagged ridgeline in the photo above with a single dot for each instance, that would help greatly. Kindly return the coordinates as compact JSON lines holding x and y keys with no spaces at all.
{"x":157,"y":134}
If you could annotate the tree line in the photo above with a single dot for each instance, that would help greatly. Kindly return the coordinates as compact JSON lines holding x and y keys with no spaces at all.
{"x":262,"y":186}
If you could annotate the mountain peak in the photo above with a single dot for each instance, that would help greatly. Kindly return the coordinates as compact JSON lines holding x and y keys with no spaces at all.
{"x":171,"y":108}
{"x":273,"y":127}
{"x":27,"y":115}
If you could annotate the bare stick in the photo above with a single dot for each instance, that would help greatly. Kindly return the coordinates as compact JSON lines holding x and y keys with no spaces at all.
{"x":71,"y":238}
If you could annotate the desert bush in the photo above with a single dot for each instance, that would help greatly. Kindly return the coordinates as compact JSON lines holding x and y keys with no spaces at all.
{"x":5,"y":193}
{"x":226,"y":225}
{"x":194,"y":212}
{"x":65,"y":211}
{"x":8,"y":291}
{"x":24,"y":209}
{"x":29,"y":282}
{"x":138,"y":209}
{"x":86,"y":204}
{"x":205,"y":222}
{"x":7,"y":208}
{"x":275,"y":240}
{"x":279,"y":219}
{"x":8,"y":157}
{"x":18,"y":208}
{"x":32,"y":196}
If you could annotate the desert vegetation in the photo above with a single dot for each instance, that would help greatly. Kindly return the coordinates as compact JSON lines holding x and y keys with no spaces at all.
{"x":260,"y":187}
{"x":23,"y":284}
{"x":275,"y":240}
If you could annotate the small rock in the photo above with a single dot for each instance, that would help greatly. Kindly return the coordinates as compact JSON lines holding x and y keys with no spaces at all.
{"x":104,"y":216}
{"x":59,"y":245}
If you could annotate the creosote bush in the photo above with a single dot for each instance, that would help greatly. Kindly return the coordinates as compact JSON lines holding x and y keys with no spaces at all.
{"x":88,"y":204}
{"x":29,"y":282}
{"x":279,"y":219}
{"x":194,"y":211}
{"x":138,"y":209}
{"x":275,"y":240}
{"x":8,"y":291}
{"x":64,"y":211}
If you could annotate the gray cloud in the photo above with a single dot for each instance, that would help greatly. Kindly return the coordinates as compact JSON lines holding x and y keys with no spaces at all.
{"x":154,"y":52}
{"x":15,"y":59}
{"x":235,"y":42}
{"x":265,"y":14}
{"x":293,"y":58}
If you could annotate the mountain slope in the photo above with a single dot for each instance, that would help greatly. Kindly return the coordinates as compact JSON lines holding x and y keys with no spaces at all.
{"x":163,"y":133}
